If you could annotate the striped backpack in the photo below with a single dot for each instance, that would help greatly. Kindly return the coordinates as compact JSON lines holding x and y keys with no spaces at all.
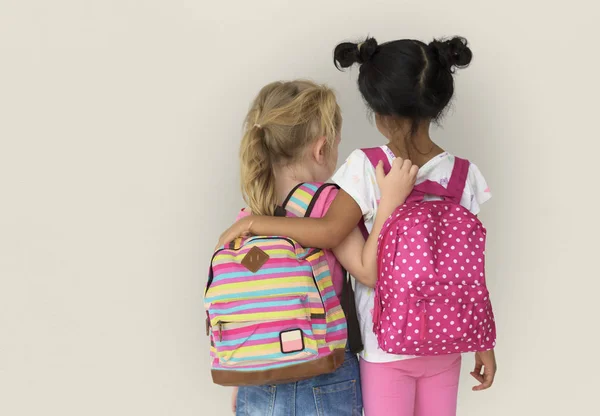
{"x":272,"y":312}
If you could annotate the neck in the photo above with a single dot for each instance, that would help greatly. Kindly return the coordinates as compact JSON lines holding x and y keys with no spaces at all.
{"x":287,"y":177}
{"x":417,"y":146}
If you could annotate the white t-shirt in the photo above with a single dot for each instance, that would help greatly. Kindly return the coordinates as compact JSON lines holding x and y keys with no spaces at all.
{"x":357,"y":178}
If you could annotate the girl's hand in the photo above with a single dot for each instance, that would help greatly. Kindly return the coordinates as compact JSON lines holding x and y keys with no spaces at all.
{"x":486,"y":361}
{"x":234,"y":394}
{"x":240,"y":228}
{"x":397,"y":185}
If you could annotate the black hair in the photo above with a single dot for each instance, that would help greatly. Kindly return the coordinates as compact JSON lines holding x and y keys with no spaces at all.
{"x":406,"y":78}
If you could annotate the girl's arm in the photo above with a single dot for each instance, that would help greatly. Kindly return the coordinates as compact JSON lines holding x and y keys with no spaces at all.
{"x":349,"y":254}
{"x":326,"y":232}
{"x":341,"y":218}
{"x":359,"y":257}
{"x":339,"y":224}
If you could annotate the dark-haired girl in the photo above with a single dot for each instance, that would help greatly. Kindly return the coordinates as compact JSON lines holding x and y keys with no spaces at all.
{"x":408,"y":85}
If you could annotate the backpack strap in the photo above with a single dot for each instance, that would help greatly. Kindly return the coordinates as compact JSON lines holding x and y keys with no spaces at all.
{"x":459,"y":177}
{"x":302,"y":199}
{"x":376,"y":155}
{"x":348,"y":302}
{"x":300,"y":203}
{"x":453,"y":192}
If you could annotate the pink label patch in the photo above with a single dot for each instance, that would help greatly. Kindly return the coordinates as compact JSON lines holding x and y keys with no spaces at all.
{"x":291,"y":341}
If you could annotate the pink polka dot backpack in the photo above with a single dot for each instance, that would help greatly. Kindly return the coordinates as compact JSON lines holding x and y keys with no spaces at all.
{"x":431,"y":297}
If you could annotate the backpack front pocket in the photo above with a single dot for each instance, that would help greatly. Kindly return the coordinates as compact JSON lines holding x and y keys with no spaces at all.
{"x":434,"y":320}
{"x":265,"y":331}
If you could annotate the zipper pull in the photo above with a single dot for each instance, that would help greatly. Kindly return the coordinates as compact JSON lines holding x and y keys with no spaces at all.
{"x":207,"y":324}
{"x":423,"y":305}
{"x":423,"y":323}
{"x":220,"y":332}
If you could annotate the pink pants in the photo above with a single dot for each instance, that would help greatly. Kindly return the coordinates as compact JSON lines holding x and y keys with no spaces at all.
{"x":424,"y":386}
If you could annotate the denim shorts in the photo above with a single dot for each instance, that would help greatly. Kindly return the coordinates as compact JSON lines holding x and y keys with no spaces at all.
{"x":334,"y":394}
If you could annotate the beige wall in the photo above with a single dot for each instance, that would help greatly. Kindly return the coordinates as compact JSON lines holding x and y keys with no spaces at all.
{"x":119,"y":127}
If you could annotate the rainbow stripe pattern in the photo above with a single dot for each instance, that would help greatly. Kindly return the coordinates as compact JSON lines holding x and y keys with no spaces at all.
{"x":283,"y":314}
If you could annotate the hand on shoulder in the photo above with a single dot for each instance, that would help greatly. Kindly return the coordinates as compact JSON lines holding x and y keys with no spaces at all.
{"x":397,"y":185}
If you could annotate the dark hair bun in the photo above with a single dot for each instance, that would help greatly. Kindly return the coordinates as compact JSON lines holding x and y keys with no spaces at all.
{"x":453,"y":53}
{"x":347,"y":54}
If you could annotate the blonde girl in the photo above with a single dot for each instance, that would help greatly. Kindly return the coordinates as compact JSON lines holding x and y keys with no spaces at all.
{"x":292,"y":135}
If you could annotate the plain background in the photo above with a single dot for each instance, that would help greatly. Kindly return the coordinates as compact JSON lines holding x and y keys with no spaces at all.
{"x":119,"y":126}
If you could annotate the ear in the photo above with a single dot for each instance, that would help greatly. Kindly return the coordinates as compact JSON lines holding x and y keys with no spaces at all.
{"x":319,"y":150}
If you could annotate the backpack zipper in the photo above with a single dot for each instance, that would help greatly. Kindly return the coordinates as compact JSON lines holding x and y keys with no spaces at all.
{"x":210,"y":277}
{"x":289,"y":240}
{"x":423,"y":304}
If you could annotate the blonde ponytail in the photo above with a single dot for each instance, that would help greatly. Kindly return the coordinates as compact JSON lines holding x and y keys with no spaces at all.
{"x":284,"y":118}
{"x":258,"y":184}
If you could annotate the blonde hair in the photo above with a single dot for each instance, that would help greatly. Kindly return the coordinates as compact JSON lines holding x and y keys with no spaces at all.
{"x":284,"y":118}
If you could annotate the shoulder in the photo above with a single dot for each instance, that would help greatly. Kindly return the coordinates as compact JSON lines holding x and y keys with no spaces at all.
{"x":475,"y":174}
{"x":478,"y":188}
{"x":476,"y":182}
{"x":357,"y":178}
{"x":354,"y":170}
{"x":476,"y":192}
{"x":357,"y":159}
{"x":440,"y":170}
